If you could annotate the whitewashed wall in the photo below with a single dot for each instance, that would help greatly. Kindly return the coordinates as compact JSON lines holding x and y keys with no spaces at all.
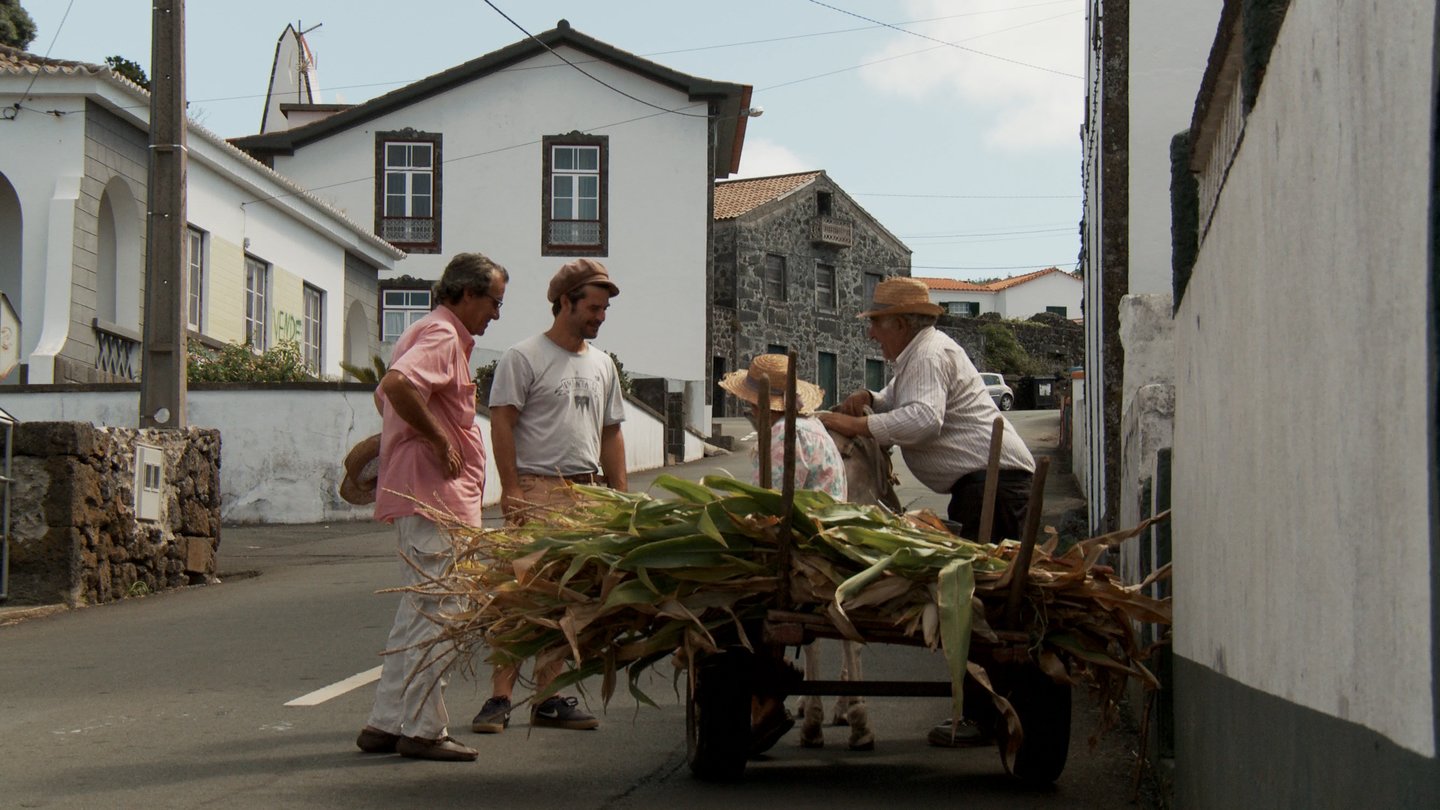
{"x":280,"y":449}
{"x":1169,"y":46}
{"x":491,"y":187}
{"x":46,"y":178}
{"x":1053,"y":290}
{"x":1302,"y":518}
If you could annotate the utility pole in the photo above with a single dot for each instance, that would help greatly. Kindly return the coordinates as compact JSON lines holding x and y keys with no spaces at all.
{"x":162,"y":376}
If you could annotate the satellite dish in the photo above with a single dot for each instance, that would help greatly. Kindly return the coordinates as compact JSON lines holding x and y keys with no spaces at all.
{"x":9,"y":337}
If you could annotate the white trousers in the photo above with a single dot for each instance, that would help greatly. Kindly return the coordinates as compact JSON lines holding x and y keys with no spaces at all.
{"x":415,"y":708}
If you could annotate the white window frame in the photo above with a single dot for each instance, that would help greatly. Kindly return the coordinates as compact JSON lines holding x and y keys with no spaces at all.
{"x":404,"y":300}
{"x":405,"y":173}
{"x":195,"y":261}
{"x":312,"y":344}
{"x":404,"y":216}
{"x":577,"y":203}
{"x":257,"y":303}
{"x":965,"y":309}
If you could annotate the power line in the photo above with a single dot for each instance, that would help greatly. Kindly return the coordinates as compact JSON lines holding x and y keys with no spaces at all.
{"x":997,"y":267}
{"x":58,"y":29}
{"x":1046,"y":229}
{"x":943,"y":42}
{"x":971,"y":196}
{"x":583,"y":72}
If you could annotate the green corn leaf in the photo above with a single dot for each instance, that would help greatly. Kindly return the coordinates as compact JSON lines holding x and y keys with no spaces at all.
{"x":956,"y":584}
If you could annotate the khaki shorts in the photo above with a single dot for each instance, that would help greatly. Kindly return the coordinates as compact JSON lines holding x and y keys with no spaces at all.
{"x":543,"y":493}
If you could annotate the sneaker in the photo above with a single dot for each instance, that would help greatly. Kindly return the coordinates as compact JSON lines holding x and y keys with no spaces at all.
{"x":562,"y":712}
{"x":946,"y":734}
{"x":494,"y":716}
{"x":445,"y":749}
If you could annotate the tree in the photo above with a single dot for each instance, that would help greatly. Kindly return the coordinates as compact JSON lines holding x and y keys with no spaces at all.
{"x":128,"y":69}
{"x":17,"y":29}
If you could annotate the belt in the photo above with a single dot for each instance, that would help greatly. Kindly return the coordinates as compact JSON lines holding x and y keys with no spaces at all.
{"x":592,"y":479}
{"x":978,"y":477}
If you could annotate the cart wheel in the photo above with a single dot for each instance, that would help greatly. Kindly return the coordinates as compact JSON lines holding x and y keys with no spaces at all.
{"x":717,"y":717}
{"x":1044,"y":709}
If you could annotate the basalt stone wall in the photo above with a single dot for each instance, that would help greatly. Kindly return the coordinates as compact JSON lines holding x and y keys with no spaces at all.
{"x":75,"y":536}
{"x":1055,"y":342}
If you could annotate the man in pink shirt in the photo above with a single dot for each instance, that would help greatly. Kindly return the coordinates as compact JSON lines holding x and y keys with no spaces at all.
{"x":431,"y":452}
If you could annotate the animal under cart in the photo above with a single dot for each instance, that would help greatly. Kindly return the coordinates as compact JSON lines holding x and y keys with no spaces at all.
{"x":723,"y":577}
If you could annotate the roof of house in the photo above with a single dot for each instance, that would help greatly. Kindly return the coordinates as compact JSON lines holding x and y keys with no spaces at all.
{"x":730,"y":119}
{"x":18,"y":62}
{"x":736,"y":197}
{"x":955,"y":285}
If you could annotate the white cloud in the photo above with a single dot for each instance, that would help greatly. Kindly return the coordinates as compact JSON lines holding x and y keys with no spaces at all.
{"x":763,"y":158}
{"x":1017,"y":92}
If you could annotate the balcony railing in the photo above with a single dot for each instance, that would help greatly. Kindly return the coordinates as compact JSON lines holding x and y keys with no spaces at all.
{"x":115,"y":350}
{"x":832,"y":232}
{"x":408,"y":230}
{"x":574,"y":232}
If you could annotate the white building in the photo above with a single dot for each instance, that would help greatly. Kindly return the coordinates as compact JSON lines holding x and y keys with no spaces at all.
{"x":524,"y":157}
{"x":267,"y":261}
{"x":1050,"y":290}
{"x":1307,"y":551}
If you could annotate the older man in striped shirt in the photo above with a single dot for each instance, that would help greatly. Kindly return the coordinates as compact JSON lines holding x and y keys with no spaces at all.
{"x":936,"y":409}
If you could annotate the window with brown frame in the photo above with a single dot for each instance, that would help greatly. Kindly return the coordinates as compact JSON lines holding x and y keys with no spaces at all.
{"x":575,"y":219}
{"x":407,"y":189}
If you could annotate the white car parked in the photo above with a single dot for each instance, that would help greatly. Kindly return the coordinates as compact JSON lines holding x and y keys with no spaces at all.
{"x":999,"y":391}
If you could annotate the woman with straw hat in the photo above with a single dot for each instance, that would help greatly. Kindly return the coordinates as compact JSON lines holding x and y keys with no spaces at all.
{"x":818,"y":464}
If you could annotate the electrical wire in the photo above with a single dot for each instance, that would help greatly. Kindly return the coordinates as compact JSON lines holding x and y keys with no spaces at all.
{"x":26,"y":95}
{"x":943,"y":42}
{"x":583,"y":72}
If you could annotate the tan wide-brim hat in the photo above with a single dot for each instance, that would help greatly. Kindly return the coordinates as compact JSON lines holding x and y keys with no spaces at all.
{"x":746,"y":384}
{"x":362,"y":469}
{"x":902,"y":295}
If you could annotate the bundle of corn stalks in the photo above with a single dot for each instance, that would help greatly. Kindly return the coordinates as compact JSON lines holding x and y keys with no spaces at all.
{"x":623,"y":580}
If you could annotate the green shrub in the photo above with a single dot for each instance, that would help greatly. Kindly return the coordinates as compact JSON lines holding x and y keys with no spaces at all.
{"x":1003,"y":353}
{"x":234,"y":362}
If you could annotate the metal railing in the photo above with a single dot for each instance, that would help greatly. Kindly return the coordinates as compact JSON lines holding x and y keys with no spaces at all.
{"x":115,"y":350}
{"x":574,"y":232}
{"x":408,"y":230}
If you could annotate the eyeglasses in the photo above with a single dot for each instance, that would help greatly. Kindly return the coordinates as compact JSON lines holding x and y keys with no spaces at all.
{"x":498,"y":302}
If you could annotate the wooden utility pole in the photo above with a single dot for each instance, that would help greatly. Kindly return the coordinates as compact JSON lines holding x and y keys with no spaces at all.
{"x":162,"y":377}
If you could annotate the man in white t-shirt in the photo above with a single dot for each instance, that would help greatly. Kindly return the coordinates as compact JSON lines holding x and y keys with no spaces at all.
{"x":555,"y":412}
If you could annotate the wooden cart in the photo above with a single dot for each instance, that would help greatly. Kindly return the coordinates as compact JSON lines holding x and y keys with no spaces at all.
{"x":721,"y":685}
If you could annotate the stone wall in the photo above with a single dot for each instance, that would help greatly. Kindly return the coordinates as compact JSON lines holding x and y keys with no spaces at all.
{"x":1056,"y":343}
{"x":74,"y":533}
{"x":745,"y":321}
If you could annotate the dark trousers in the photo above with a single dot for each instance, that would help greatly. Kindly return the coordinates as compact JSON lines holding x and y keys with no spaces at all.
{"x":1012,"y":498}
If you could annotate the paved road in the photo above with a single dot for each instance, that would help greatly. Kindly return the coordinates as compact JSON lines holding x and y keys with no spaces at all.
{"x":180,"y":700}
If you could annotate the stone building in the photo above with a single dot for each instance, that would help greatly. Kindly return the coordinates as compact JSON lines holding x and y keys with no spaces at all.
{"x":795,"y":259}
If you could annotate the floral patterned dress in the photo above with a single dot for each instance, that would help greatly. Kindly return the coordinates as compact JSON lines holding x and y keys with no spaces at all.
{"x":818,"y":464}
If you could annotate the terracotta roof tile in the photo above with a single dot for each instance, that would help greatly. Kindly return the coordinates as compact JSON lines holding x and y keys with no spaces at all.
{"x":1006,"y":283}
{"x":736,"y":197}
{"x":14,"y":60}
{"x":953,"y":285}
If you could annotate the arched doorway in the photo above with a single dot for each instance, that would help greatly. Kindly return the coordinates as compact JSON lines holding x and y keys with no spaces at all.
{"x":11,"y":282}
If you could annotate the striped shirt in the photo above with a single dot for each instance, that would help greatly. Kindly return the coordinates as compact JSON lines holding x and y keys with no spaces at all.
{"x":936,"y":409}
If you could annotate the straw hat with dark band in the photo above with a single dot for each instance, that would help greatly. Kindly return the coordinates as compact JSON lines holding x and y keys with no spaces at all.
{"x":772,"y":367}
{"x":902,"y":295}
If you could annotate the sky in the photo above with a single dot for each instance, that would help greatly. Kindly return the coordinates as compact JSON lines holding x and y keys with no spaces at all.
{"x":955,"y":123}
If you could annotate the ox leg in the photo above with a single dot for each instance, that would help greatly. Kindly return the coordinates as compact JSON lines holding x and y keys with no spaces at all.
{"x":812,"y":712}
{"x":858,"y":718}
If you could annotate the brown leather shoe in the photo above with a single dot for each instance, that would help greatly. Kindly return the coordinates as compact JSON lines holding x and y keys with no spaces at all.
{"x":374,"y":741}
{"x":445,"y":749}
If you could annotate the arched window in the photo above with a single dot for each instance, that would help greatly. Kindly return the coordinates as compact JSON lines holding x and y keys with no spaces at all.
{"x":118,"y":258}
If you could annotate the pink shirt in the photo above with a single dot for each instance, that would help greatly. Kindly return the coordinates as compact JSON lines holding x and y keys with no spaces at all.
{"x":434,"y":355}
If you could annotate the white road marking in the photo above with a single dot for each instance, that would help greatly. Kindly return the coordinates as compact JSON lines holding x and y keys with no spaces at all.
{"x":337,"y":689}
